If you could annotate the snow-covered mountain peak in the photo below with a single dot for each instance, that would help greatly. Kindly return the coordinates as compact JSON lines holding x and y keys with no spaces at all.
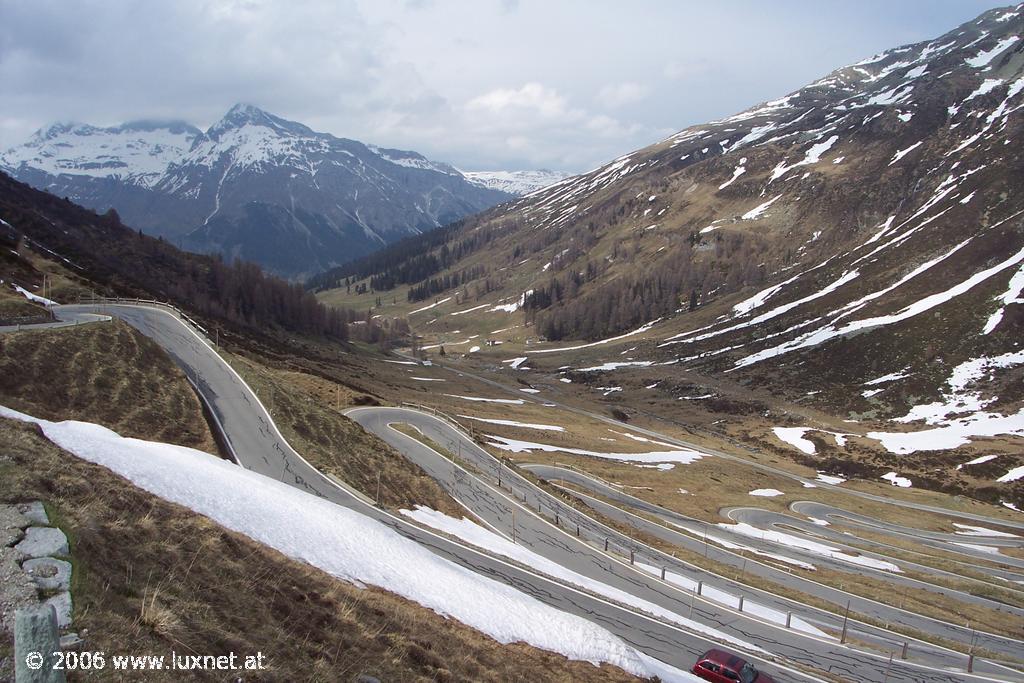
{"x":137,"y":153}
{"x":409,"y":159}
{"x":247,"y":115}
{"x":519,"y":183}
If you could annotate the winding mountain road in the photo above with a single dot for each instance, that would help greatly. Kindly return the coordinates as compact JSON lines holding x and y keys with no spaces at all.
{"x":256,"y":443}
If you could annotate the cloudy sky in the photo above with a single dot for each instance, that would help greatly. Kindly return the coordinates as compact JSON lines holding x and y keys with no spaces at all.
{"x":484,"y":84}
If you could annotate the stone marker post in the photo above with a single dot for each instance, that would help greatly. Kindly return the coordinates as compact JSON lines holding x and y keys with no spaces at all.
{"x":35,"y":641}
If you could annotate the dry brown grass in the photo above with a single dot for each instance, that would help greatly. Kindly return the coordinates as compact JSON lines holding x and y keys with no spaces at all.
{"x":107,"y":373}
{"x":152,"y":577}
{"x":305,"y":408}
{"x":14,"y":305}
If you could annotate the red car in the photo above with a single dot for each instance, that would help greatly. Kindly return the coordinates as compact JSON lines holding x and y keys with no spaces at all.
{"x":724,"y":667}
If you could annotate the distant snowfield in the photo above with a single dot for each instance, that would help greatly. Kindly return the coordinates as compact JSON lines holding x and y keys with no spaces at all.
{"x":766,"y":493}
{"x":683,"y":456}
{"x":343,"y":543}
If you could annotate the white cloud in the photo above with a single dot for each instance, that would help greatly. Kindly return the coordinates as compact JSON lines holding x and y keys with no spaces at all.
{"x":530,"y":99}
{"x":618,"y":94}
{"x":499,"y":84}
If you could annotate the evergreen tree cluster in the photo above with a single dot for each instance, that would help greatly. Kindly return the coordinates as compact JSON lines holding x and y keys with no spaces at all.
{"x":124,"y":262}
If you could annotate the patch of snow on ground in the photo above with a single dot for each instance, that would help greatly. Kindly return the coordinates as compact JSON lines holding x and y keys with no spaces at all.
{"x":986,"y":87}
{"x":474,"y":349}
{"x":429,"y":379}
{"x":34,"y":297}
{"x":513,"y":423}
{"x":977,"y":461}
{"x":736,"y":173}
{"x":761,"y":297}
{"x":1012,"y":295}
{"x":969,"y":530}
{"x":812,"y":156}
{"x":616,"y":365}
{"x":510,"y":401}
{"x":904,"y":152}
{"x":640,"y":330}
{"x":335,"y":539}
{"x":891,"y":377}
{"x":766,"y":493}
{"x":810,"y":546}
{"x":756,"y":212}
{"x":427,"y":308}
{"x":469,"y":310}
{"x":794,"y":436}
{"x":683,"y":456}
{"x":985,"y":56}
{"x":830,"y":479}
{"x":897,"y":480}
{"x":956,"y":401}
{"x":831,"y":331}
{"x":1013,"y":475}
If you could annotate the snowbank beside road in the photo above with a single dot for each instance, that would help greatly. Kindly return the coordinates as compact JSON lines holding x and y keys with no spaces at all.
{"x":343,"y":543}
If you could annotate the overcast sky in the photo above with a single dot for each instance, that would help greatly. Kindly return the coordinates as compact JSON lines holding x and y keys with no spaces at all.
{"x":483,"y":84}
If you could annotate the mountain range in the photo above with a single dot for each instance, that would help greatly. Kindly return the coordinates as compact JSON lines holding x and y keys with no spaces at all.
{"x":258,"y":187}
{"x":853,"y":248}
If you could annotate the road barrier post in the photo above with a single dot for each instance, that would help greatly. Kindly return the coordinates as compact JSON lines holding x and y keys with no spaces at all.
{"x":577,"y":531}
{"x":700,"y":587}
{"x":903,"y":655}
{"x":789,"y":619}
{"x":741,"y":604}
{"x":632,"y":557}
{"x":662,"y":573}
{"x":970,"y":663}
{"x":606,"y":545}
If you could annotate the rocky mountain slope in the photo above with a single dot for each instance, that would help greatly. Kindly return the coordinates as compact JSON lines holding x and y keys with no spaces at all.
{"x":855,"y":246}
{"x":253,"y":186}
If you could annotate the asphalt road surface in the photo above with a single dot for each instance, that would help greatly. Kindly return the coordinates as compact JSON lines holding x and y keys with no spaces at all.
{"x":536,"y":510}
{"x":693,"y":541}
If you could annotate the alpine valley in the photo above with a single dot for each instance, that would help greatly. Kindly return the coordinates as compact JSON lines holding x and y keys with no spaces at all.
{"x":257,"y":187}
{"x":835,"y":275}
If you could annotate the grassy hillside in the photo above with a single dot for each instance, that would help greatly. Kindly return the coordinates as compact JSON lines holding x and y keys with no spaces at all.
{"x":151,"y":577}
{"x":106,"y":373}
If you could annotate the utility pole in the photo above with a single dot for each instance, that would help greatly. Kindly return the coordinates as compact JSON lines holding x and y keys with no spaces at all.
{"x":846,"y":619}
